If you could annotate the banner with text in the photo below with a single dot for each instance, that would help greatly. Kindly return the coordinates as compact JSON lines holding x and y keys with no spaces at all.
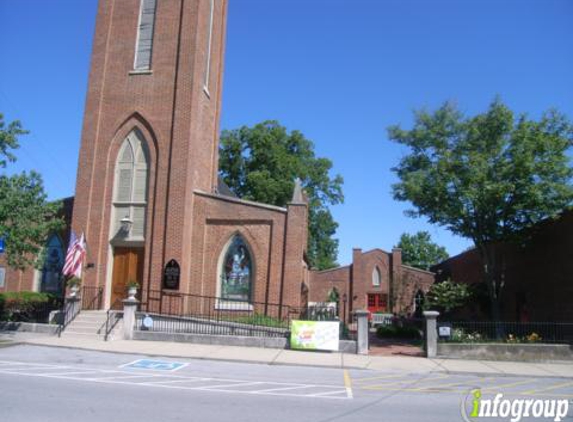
{"x":314,"y":335}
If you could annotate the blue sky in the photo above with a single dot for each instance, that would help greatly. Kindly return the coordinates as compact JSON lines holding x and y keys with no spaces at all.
{"x":340,"y":71}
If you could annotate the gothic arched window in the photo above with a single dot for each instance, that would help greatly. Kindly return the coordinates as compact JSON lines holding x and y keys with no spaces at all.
{"x":51,"y":276}
{"x":376,"y":277}
{"x":130,"y":187}
{"x":236,"y":271}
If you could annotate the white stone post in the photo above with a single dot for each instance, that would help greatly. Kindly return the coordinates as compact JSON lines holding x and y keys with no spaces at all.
{"x":363,"y":331}
{"x":431,"y":337}
{"x":129,"y":308}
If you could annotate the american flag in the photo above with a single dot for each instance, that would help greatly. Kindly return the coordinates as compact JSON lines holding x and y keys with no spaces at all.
{"x":75,"y":256}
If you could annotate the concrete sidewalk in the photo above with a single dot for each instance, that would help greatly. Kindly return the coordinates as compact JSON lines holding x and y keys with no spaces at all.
{"x":292,"y":357}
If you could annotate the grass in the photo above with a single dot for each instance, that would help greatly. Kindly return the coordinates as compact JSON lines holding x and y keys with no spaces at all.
{"x":260,"y":320}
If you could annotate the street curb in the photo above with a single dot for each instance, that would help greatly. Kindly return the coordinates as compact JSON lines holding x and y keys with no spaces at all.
{"x":10,"y":343}
{"x":437,"y":369}
{"x":210,"y":358}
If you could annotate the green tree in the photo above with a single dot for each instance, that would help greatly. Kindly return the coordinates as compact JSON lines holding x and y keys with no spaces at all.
{"x":260,"y":163}
{"x":419,"y":251}
{"x":447,"y":296}
{"x":26,"y":217}
{"x":487,"y":178}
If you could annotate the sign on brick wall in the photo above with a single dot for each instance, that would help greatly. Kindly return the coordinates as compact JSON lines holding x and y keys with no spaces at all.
{"x":171,"y":275}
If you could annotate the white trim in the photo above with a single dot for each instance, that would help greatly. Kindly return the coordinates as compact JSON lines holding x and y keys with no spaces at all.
{"x":417,"y":269}
{"x":220,"y":263}
{"x":207,"y":74}
{"x":240,"y":201}
{"x":229,"y":305}
{"x":108,"y":277}
{"x":140,"y":72}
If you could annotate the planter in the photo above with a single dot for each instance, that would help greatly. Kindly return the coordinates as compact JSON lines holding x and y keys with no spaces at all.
{"x":131,"y":292}
{"x":74,"y":291}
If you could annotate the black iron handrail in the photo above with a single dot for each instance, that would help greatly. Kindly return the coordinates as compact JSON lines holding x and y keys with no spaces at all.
{"x":109,"y":325}
{"x":70,"y":310}
{"x":91,"y":301}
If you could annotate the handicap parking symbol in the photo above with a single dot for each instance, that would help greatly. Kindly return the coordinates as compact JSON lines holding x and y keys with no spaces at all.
{"x":155,"y":365}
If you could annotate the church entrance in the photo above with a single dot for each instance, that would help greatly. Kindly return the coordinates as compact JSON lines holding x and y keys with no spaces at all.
{"x":377,"y":302}
{"x":127,"y":266}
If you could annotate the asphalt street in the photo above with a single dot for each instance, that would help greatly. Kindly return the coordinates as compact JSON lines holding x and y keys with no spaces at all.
{"x":55,"y":384}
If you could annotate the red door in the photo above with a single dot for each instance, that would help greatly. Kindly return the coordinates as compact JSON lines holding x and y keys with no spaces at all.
{"x":377,"y":302}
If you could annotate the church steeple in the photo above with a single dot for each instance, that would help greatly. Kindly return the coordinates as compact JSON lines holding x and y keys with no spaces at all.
{"x":156,"y":69}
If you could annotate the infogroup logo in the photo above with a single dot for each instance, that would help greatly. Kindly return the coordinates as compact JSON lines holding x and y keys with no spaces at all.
{"x":475,"y":407}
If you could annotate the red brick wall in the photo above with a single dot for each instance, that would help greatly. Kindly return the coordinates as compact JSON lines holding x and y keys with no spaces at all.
{"x":274,"y":246}
{"x":538,"y":283}
{"x":412,"y":281}
{"x":400,"y":283}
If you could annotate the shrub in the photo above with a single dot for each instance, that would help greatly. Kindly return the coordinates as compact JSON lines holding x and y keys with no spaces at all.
{"x":459,"y":335}
{"x":406,"y":332}
{"x":26,"y":306}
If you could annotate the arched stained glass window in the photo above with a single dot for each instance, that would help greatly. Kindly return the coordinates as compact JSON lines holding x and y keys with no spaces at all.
{"x":236,"y":271}
{"x":51,"y":281}
{"x":376,"y":277}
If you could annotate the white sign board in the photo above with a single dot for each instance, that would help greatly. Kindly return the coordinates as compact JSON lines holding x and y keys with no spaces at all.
{"x":315,"y":335}
{"x":444,"y":331}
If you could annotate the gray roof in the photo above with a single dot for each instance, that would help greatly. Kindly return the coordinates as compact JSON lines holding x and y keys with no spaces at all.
{"x":223,"y":189}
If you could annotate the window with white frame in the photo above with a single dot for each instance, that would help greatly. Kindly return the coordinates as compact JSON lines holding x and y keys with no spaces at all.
{"x":2,"y":277}
{"x":130,"y":187}
{"x":144,"y":43}
{"x":236,"y":271}
{"x":376,"y":277}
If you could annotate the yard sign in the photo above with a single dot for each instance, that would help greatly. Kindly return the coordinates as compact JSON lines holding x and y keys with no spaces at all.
{"x":314,"y":335}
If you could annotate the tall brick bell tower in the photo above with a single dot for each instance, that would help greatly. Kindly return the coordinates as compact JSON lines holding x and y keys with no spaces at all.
{"x":149,"y":137}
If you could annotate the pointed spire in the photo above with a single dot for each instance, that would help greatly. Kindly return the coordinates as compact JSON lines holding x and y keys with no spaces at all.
{"x":298,"y":196}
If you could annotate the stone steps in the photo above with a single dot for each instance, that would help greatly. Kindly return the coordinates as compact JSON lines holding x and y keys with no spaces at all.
{"x":91,"y":324}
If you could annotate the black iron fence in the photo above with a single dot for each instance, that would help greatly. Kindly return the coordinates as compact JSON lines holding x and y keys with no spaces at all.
{"x":92,"y":298}
{"x":320,"y":312}
{"x":187,"y":313}
{"x":505,"y":332}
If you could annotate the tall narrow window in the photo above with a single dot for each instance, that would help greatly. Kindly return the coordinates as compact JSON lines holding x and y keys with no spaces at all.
{"x":53,"y":263}
{"x":2,"y":277}
{"x":144,"y":43}
{"x":236,"y":271}
{"x":130,"y":193}
{"x":209,"y":42}
{"x":376,"y":277}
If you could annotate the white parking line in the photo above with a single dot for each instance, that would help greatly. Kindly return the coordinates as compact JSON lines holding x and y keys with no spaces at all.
{"x":166,"y":380}
{"x":63,"y":374}
{"x":237,"y":384}
{"x":328,"y":393}
{"x":180,"y":380}
{"x":283,"y":389}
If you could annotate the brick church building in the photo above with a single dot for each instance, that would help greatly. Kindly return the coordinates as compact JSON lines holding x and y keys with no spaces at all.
{"x":148,"y":194}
